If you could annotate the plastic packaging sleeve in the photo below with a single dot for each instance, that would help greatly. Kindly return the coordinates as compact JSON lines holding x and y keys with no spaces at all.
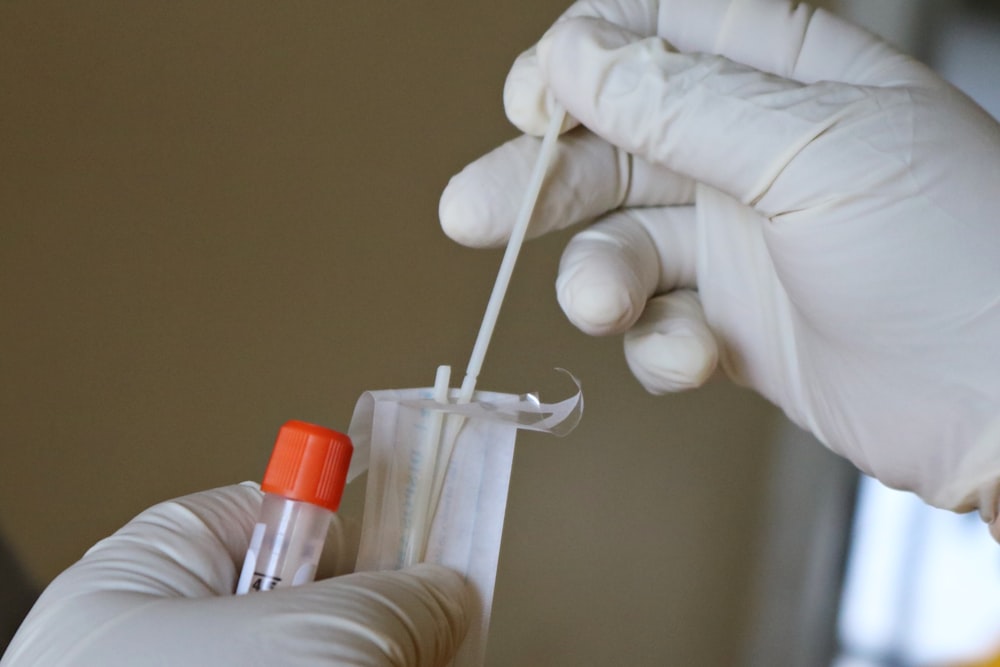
{"x":388,"y":433}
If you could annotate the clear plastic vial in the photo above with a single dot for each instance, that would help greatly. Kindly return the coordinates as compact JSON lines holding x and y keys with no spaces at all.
{"x":302,"y":487}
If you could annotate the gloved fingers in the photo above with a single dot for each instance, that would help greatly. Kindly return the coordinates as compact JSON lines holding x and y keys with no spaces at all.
{"x":790,"y":39}
{"x":525,"y":94}
{"x":718,"y":122}
{"x":671,"y":347}
{"x":411,"y":617}
{"x":195,"y":545}
{"x":186,"y":547}
{"x":416,"y":616}
{"x":609,"y":270}
{"x":589,"y":177}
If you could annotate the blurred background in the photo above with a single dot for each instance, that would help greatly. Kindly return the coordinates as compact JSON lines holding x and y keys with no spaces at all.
{"x":215,"y":217}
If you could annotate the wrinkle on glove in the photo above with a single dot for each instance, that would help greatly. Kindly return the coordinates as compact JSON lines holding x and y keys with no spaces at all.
{"x":160,"y":591}
{"x":842,"y":230}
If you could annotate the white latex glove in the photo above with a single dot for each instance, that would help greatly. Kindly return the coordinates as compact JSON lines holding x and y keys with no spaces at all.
{"x":160,"y":592}
{"x":842,"y":256}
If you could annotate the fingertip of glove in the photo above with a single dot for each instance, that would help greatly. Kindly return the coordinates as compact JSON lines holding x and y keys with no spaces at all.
{"x":670,"y":362}
{"x":525,"y":95}
{"x":425,"y":608}
{"x":463,"y":213}
{"x":451,"y":593}
{"x":990,"y":512}
{"x":597,"y":302}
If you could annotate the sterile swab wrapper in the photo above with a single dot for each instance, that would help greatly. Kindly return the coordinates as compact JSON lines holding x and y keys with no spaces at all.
{"x":389,"y":430}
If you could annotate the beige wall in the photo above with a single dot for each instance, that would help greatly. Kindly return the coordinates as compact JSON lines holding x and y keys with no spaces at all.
{"x":218,"y":216}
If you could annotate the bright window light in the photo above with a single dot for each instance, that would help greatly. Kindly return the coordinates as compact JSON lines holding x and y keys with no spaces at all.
{"x":922,"y":585}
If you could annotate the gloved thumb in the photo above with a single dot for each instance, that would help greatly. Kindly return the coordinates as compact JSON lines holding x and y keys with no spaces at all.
{"x":415,"y":617}
{"x":720,"y":122}
{"x":671,"y":347}
{"x":408,"y":618}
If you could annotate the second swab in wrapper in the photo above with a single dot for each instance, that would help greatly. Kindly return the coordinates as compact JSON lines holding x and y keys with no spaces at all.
{"x":442,"y":432}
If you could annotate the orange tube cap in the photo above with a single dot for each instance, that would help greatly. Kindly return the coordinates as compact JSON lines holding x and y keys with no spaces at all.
{"x":309,"y":463}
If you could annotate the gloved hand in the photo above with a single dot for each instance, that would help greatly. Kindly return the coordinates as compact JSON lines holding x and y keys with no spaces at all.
{"x":160,"y":591}
{"x":842,"y":254}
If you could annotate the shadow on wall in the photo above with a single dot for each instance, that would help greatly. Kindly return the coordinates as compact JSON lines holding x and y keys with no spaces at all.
{"x":16,"y":595}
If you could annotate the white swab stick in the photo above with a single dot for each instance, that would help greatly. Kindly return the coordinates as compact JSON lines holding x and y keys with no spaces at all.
{"x":454,"y":423}
{"x":545,"y":156}
{"x":415,"y":542}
